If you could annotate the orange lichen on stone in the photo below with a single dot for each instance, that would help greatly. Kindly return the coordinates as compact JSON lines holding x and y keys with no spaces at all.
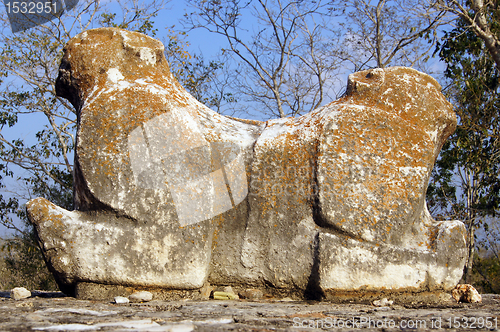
{"x":171,"y":194}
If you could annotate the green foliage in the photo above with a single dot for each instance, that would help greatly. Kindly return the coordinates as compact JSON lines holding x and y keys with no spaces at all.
{"x":474,"y":149}
{"x":22,"y":260}
{"x":466,"y":184}
{"x":23,"y":265}
{"x":486,"y":274}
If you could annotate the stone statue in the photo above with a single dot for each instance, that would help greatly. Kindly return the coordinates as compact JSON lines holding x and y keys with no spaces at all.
{"x":171,"y":195}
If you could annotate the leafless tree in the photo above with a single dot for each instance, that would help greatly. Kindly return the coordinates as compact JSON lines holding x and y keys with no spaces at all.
{"x":388,"y":32}
{"x":286,"y":63}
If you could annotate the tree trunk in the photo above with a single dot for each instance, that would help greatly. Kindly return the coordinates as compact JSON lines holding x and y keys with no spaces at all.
{"x":379,"y":37}
{"x":483,"y":30}
{"x":471,"y":218}
{"x":470,"y":257}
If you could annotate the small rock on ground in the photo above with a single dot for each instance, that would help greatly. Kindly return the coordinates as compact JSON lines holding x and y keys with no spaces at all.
{"x":206,"y":290}
{"x":225,"y":296}
{"x":121,"y":300}
{"x":143,"y":296}
{"x":252,"y":294}
{"x":19,"y":293}
{"x":466,"y":293}
{"x":382,"y":302}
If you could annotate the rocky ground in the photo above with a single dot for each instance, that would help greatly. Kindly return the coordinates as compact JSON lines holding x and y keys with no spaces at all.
{"x":56,"y":312}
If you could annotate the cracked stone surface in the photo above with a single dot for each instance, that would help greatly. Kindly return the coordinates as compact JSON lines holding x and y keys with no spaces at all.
{"x":56,"y":312}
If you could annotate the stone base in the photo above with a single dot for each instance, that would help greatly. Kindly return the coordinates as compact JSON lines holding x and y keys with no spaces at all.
{"x":410,"y":298}
{"x":100,"y":292}
{"x":348,"y":265}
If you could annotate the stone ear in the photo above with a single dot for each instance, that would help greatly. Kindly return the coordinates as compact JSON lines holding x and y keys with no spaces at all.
{"x":366,"y":80}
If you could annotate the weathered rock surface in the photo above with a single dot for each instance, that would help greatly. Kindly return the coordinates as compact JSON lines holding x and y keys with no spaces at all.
{"x":142,"y":296}
{"x":169,"y":194}
{"x":19,"y":293}
{"x":121,"y":300}
{"x":43,"y":313}
{"x":252,"y":294}
{"x":466,"y":293}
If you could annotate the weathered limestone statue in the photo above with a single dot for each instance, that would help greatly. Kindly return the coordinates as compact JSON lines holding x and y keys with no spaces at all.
{"x":169,"y":194}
